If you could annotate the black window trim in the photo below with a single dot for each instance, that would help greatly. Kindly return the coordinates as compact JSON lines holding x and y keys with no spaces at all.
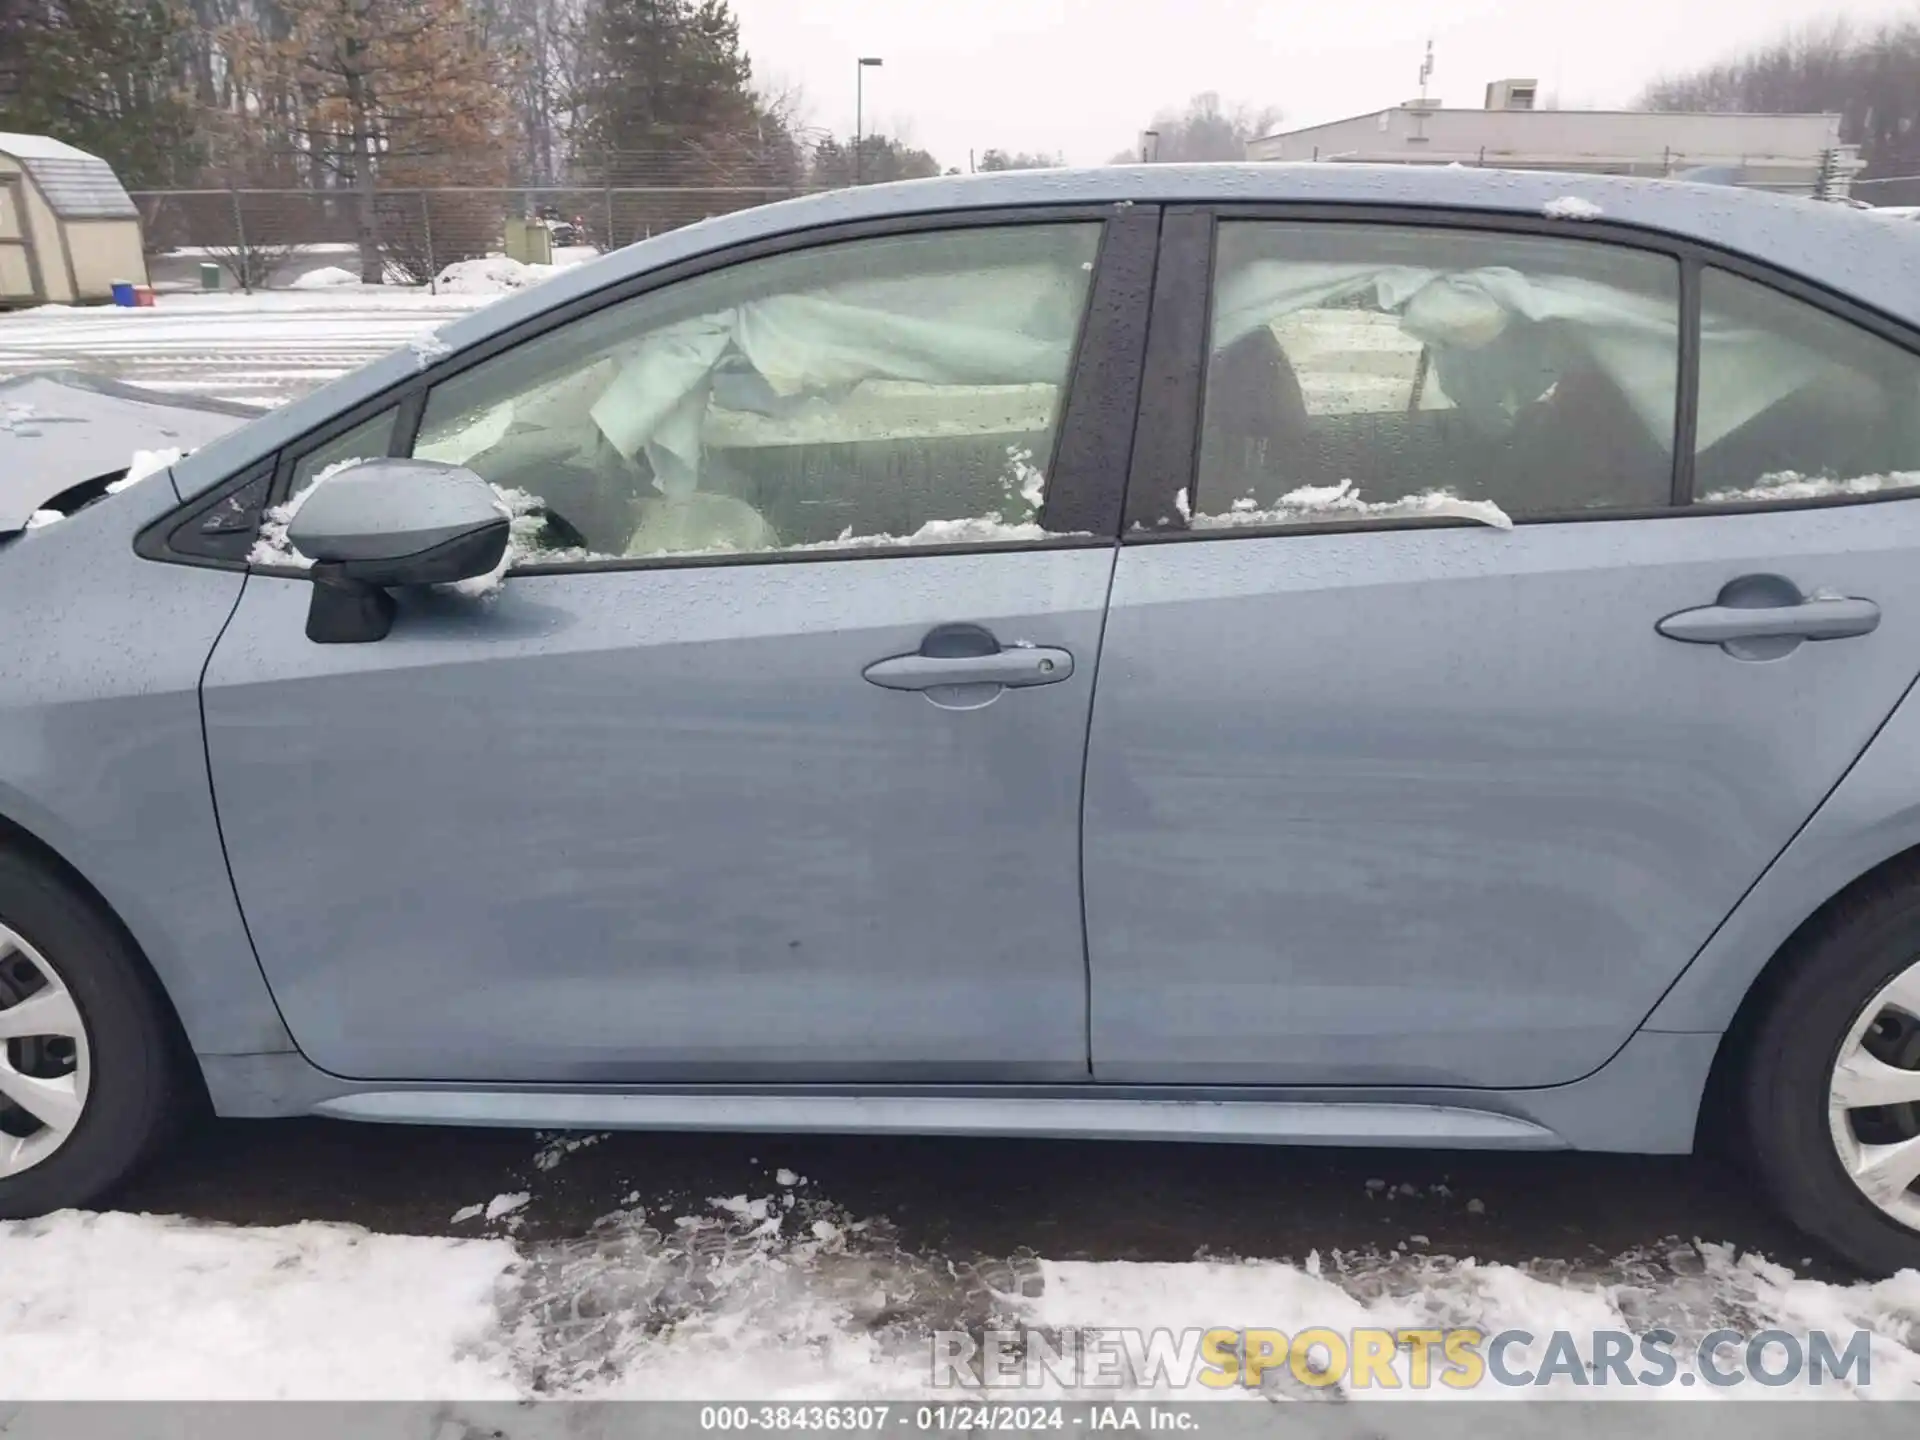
{"x":1173,"y":405}
{"x":1103,"y":372}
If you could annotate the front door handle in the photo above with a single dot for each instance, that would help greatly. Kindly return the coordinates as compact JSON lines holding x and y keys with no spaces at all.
{"x":1834,"y":619}
{"x":1019,"y":666}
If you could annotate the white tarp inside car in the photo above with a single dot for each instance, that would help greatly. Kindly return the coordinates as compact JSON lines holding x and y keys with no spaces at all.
{"x":770,"y":356}
{"x":767,"y":354}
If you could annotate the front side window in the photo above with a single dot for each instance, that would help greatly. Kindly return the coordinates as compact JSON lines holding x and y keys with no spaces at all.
{"x":1796,"y":403}
{"x":874,"y":392}
{"x":1359,"y":371}
{"x":369,"y":440}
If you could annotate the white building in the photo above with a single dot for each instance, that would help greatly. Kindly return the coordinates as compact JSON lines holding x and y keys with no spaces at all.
{"x":1774,"y":152}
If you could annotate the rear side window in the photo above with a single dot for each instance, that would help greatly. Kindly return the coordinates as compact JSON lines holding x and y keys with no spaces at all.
{"x":904,"y":389}
{"x":1360,"y":370}
{"x":1796,"y":403}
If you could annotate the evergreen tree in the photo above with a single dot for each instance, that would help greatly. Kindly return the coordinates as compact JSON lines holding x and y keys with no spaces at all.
{"x":882,"y":158}
{"x":101,"y":74}
{"x":660,"y":84}
{"x":1018,"y":160}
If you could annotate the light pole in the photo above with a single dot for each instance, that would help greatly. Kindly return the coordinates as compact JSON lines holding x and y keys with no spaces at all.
{"x":859,"y":103}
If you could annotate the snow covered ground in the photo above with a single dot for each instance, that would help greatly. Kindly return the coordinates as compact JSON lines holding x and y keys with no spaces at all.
{"x":782,"y":1294}
{"x":265,"y":348}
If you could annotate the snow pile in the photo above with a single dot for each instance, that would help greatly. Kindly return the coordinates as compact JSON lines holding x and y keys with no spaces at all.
{"x":1571,"y":207}
{"x":326,"y":277}
{"x":144,"y":464}
{"x":783,"y":1296}
{"x":41,"y":518}
{"x":1792,"y":485}
{"x":1311,"y":503}
{"x":113,"y":1307}
{"x":15,"y":420}
{"x":495,"y":275}
{"x":1690,"y":1291}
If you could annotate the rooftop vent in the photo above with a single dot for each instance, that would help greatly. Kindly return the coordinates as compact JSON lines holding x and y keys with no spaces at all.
{"x":1512,"y":94}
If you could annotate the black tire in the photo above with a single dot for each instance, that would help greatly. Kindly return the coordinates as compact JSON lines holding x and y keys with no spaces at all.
{"x":135,"y":1094}
{"x":1837,"y":964}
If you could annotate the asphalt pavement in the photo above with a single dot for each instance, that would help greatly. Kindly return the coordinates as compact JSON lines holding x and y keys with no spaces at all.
{"x":965,"y":1199}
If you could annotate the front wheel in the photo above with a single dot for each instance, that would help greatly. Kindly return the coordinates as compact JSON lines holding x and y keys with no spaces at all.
{"x":88,"y":1079}
{"x":1833,"y":1080}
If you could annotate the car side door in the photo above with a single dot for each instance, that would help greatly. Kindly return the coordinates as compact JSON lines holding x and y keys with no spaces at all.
{"x":763,"y":761}
{"x":1533,"y":584}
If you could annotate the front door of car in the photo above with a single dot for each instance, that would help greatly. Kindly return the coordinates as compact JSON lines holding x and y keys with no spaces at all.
{"x":764,"y":763}
{"x":1381,"y":793}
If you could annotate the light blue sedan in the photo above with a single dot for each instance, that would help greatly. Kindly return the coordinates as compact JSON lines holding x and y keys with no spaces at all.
{"x":1246,"y":653}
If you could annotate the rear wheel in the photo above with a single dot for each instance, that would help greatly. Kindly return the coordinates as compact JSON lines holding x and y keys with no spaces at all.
{"x":1833,"y":1080}
{"x":88,"y":1080}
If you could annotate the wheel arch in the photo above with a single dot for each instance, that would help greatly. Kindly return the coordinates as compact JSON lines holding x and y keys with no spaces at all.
{"x":18,"y":838}
{"x":1900,"y":869}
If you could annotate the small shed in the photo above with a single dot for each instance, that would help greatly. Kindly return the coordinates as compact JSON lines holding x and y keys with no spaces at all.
{"x":67,"y":228}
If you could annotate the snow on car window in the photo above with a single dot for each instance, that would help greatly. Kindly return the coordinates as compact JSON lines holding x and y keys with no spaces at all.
{"x":1792,"y":485}
{"x":1327,"y":503}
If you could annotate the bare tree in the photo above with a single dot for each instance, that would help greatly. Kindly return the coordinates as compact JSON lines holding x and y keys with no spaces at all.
{"x":1871,"y":79}
{"x":1206,"y":129}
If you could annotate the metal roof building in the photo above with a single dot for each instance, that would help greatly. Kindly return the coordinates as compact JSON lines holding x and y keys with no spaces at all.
{"x":1799,"y":154}
{"x":68,"y":229}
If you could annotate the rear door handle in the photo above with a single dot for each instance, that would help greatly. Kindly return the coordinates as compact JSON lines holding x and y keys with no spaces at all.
{"x":1835,"y":619}
{"x":1019,"y":666}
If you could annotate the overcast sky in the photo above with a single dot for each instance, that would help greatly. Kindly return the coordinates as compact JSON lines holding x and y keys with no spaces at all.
{"x":1084,"y":76}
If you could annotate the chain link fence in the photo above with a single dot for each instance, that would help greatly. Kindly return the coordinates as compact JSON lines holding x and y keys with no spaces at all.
{"x":269,"y":238}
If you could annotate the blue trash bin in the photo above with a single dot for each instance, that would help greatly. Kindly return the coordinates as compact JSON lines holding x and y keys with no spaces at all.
{"x":123,"y":292}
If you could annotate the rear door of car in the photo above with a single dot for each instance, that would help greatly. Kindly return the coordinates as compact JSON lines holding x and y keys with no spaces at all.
{"x":767,"y":772}
{"x":1381,"y":793}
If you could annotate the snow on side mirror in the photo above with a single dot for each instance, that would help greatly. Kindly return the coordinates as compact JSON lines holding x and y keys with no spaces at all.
{"x":392,"y":522}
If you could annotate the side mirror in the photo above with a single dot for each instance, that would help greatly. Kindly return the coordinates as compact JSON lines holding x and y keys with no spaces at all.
{"x":392,"y":522}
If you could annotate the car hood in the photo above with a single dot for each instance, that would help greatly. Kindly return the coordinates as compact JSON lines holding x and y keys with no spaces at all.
{"x":63,"y":428}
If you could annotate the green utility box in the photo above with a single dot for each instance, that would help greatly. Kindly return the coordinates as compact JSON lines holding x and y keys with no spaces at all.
{"x":529,"y":242}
